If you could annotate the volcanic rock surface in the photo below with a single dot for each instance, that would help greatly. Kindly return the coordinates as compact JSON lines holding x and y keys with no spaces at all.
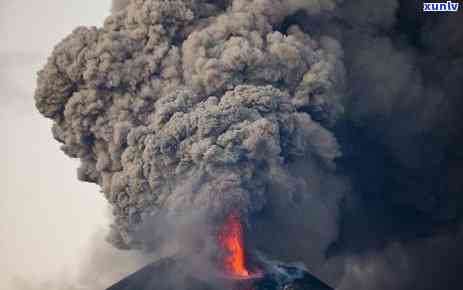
{"x":168,"y":274}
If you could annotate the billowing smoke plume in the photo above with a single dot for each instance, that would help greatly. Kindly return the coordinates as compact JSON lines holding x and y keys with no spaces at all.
{"x":332,"y":125}
{"x":182,"y":106}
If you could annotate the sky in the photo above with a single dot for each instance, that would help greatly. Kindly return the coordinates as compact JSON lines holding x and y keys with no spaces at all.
{"x":49,"y":219}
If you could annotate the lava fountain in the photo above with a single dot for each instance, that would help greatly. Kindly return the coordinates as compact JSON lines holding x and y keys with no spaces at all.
{"x":231,"y":241}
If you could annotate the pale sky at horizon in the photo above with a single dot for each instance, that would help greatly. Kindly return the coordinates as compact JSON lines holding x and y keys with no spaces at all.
{"x":48,"y":217}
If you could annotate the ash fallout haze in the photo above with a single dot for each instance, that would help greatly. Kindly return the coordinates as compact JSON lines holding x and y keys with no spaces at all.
{"x":244,"y":136}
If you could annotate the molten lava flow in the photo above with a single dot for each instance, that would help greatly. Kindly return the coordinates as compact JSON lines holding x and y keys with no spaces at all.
{"x":230,"y":239}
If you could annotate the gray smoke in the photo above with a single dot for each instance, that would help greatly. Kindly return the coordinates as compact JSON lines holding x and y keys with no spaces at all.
{"x":118,"y":5}
{"x":183,"y":110}
{"x":427,"y":264}
{"x":401,"y":140}
{"x":176,"y":107}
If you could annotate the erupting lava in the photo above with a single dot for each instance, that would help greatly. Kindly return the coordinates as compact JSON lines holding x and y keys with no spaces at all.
{"x":230,"y":239}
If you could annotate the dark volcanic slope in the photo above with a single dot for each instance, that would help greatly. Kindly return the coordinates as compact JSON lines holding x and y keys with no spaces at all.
{"x":167,"y":274}
{"x":288,"y":278}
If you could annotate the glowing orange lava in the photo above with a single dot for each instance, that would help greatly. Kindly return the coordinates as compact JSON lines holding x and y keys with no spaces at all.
{"x":230,"y":239}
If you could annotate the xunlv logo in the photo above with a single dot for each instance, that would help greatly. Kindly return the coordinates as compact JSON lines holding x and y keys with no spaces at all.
{"x":449,"y":6}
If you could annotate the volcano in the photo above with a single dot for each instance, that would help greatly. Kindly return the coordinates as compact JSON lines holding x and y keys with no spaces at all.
{"x":236,"y":272}
{"x":167,"y":274}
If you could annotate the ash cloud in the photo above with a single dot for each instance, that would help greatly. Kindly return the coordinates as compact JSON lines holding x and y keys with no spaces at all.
{"x":176,"y":107}
{"x":118,"y":5}
{"x":400,"y":139}
{"x":409,"y":265}
{"x":334,"y":125}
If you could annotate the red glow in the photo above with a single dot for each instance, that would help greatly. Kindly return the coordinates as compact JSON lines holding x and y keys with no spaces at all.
{"x":230,"y":239}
